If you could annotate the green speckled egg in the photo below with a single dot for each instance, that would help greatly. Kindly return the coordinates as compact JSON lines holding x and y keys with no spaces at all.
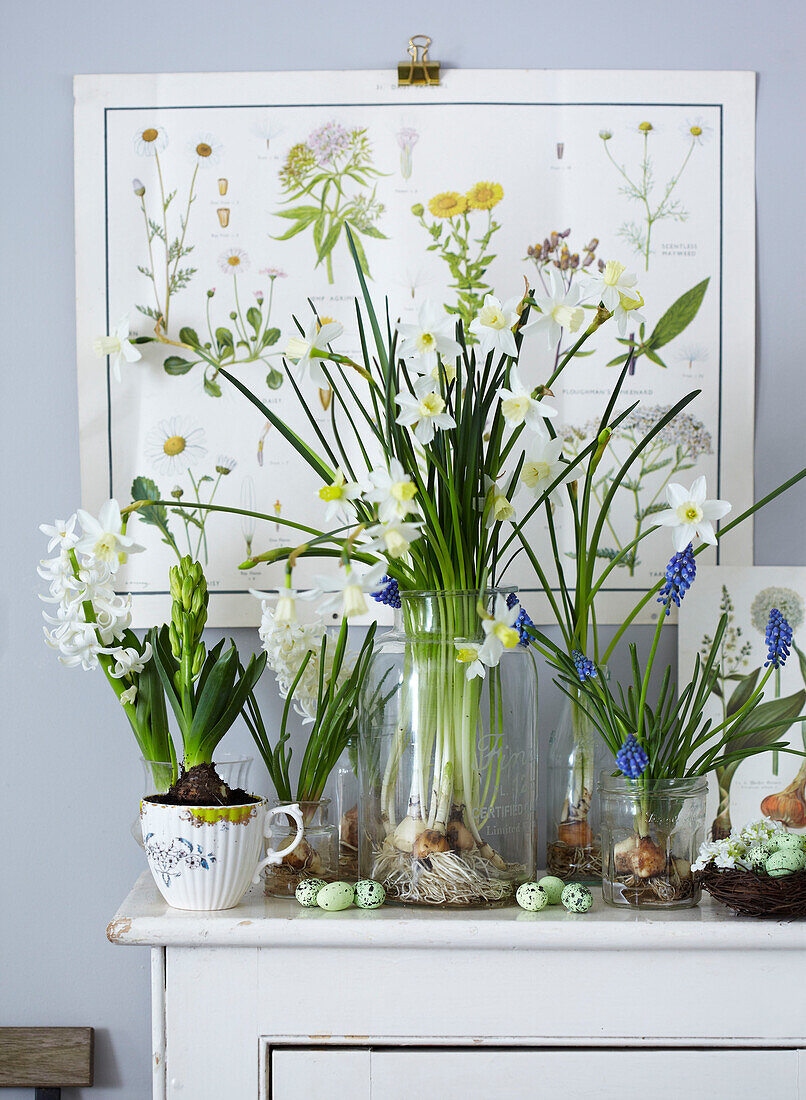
{"x":757,"y":858}
{"x":335,"y":896}
{"x":369,"y":894}
{"x":785,"y":863}
{"x":772,"y":845}
{"x":531,"y":897}
{"x":789,"y":842}
{"x":307,"y":891}
{"x":554,"y":888}
{"x":576,"y":898}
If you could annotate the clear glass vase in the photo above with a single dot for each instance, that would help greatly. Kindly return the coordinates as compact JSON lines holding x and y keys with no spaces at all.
{"x":234,"y":770}
{"x":577,"y":754}
{"x":342,"y":788}
{"x":447,"y":765}
{"x":650,"y":838}
{"x":316,"y":856}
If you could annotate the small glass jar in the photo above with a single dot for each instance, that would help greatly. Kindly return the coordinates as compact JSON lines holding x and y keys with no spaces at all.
{"x":650,"y":838}
{"x":316,"y":856}
{"x":342,"y":788}
{"x":233,"y":770}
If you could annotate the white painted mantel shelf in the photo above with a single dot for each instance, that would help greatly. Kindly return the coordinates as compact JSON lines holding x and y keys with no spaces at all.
{"x":273,"y":1000}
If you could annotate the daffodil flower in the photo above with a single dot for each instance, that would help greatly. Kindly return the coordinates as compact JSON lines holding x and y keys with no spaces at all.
{"x":468,"y":653}
{"x":285,"y":610}
{"x":500,"y":632}
{"x":423,"y":411}
{"x":430,"y":337}
{"x":626,"y":312}
{"x":348,"y":589}
{"x":690,"y":515}
{"x":103,"y":537}
{"x":392,"y":490}
{"x":542,"y":465}
{"x":518,"y":406}
{"x":338,"y":494}
{"x":558,"y":310}
{"x":614,"y":281}
{"x":498,"y":508}
{"x":493,"y":326}
{"x":118,"y":347}
{"x":305,"y":352}
{"x":394,"y":538}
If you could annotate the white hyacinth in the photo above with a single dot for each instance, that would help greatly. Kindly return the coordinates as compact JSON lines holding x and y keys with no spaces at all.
{"x":732,"y":851}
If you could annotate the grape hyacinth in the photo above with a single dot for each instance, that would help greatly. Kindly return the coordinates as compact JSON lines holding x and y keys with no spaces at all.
{"x":631,"y":759}
{"x":680,"y":574}
{"x":522,"y":621}
{"x":778,"y":638}
{"x":586,"y":670}
{"x":389,"y":594}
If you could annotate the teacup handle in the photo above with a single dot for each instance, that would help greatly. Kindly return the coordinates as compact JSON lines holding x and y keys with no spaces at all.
{"x":273,"y":856}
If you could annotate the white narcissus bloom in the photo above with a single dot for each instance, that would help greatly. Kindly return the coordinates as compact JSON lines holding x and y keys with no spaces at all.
{"x":393,"y":538}
{"x":392,"y":490}
{"x":497,"y":506}
{"x":103,"y":537}
{"x":500,"y":632}
{"x":430,"y":337}
{"x":558,"y":310}
{"x":338,"y":494}
{"x":626,"y":312}
{"x":118,"y":347}
{"x":305,"y":352}
{"x":128,"y":661}
{"x":690,"y":515}
{"x":542,"y":465}
{"x":348,"y":589}
{"x":519,"y":407}
{"x":424,"y":411}
{"x":493,"y":326}
{"x":614,"y":281}
{"x":469,"y":654}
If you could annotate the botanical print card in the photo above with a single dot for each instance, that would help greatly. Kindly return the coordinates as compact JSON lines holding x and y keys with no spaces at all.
{"x":213,"y":209}
{"x":772,"y":784}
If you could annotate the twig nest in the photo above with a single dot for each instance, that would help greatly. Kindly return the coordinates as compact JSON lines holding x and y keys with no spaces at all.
{"x":553,"y":888}
{"x":532,"y":897}
{"x":576,"y":834}
{"x":307,"y":892}
{"x":576,"y":898}
{"x":647,"y":859}
{"x":460,"y":837}
{"x":335,"y":896}
{"x":428,"y":842}
{"x":369,"y":894}
{"x":490,"y":853}
{"x":407,"y":833}
{"x":785,"y":862}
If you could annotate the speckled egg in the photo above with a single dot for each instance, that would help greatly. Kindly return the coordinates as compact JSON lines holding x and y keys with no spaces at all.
{"x":554,"y":888}
{"x":772,"y":844}
{"x":789,"y":842}
{"x":531,"y":897}
{"x":307,"y":891}
{"x":785,"y":862}
{"x":757,"y":858}
{"x":335,"y":896}
{"x":369,"y":894}
{"x":576,"y":898}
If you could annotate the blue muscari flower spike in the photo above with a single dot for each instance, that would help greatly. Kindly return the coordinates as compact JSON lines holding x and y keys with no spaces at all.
{"x":521,"y":623}
{"x":389,"y":594}
{"x":512,"y":599}
{"x":631,"y":759}
{"x":586,"y":670}
{"x":680,"y":574}
{"x":778,"y":638}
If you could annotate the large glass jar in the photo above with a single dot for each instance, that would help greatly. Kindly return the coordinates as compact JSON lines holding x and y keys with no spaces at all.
{"x":577,"y":754}
{"x":650,"y":838}
{"x":342,"y":789}
{"x":316,"y":856}
{"x":448,"y":764}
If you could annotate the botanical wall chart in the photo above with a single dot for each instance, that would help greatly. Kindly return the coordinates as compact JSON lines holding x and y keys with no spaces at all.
{"x":772,"y":784}
{"x":210,"y":208}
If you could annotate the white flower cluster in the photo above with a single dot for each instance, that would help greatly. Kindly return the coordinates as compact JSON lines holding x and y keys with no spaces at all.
{"x":286,"y":645}
{"x":80,"y":577}
{"x":732,"y":851}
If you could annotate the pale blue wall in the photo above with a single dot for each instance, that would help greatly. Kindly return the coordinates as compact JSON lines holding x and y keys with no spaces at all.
{"x":67,"y":763}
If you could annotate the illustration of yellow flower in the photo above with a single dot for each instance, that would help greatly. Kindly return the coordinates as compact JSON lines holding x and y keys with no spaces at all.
{"x":484,"y":196}
{"x":447,"y":204}
{"x":150,"y":140}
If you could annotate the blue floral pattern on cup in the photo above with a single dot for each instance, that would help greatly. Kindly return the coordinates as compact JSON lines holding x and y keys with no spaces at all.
{"x":169,"y":860}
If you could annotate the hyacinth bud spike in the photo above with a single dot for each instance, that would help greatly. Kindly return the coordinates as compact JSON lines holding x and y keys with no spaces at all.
{"x":586,"y":669}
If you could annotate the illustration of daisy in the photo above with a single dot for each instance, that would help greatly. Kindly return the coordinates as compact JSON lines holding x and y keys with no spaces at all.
{"x":150,"y":141}
{"x":207,"y":150}
{"x":233,"y":261}
{"x":174,"y":445}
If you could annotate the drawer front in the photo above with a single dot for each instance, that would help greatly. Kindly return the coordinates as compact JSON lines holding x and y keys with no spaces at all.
{"x":486,"y":1073}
